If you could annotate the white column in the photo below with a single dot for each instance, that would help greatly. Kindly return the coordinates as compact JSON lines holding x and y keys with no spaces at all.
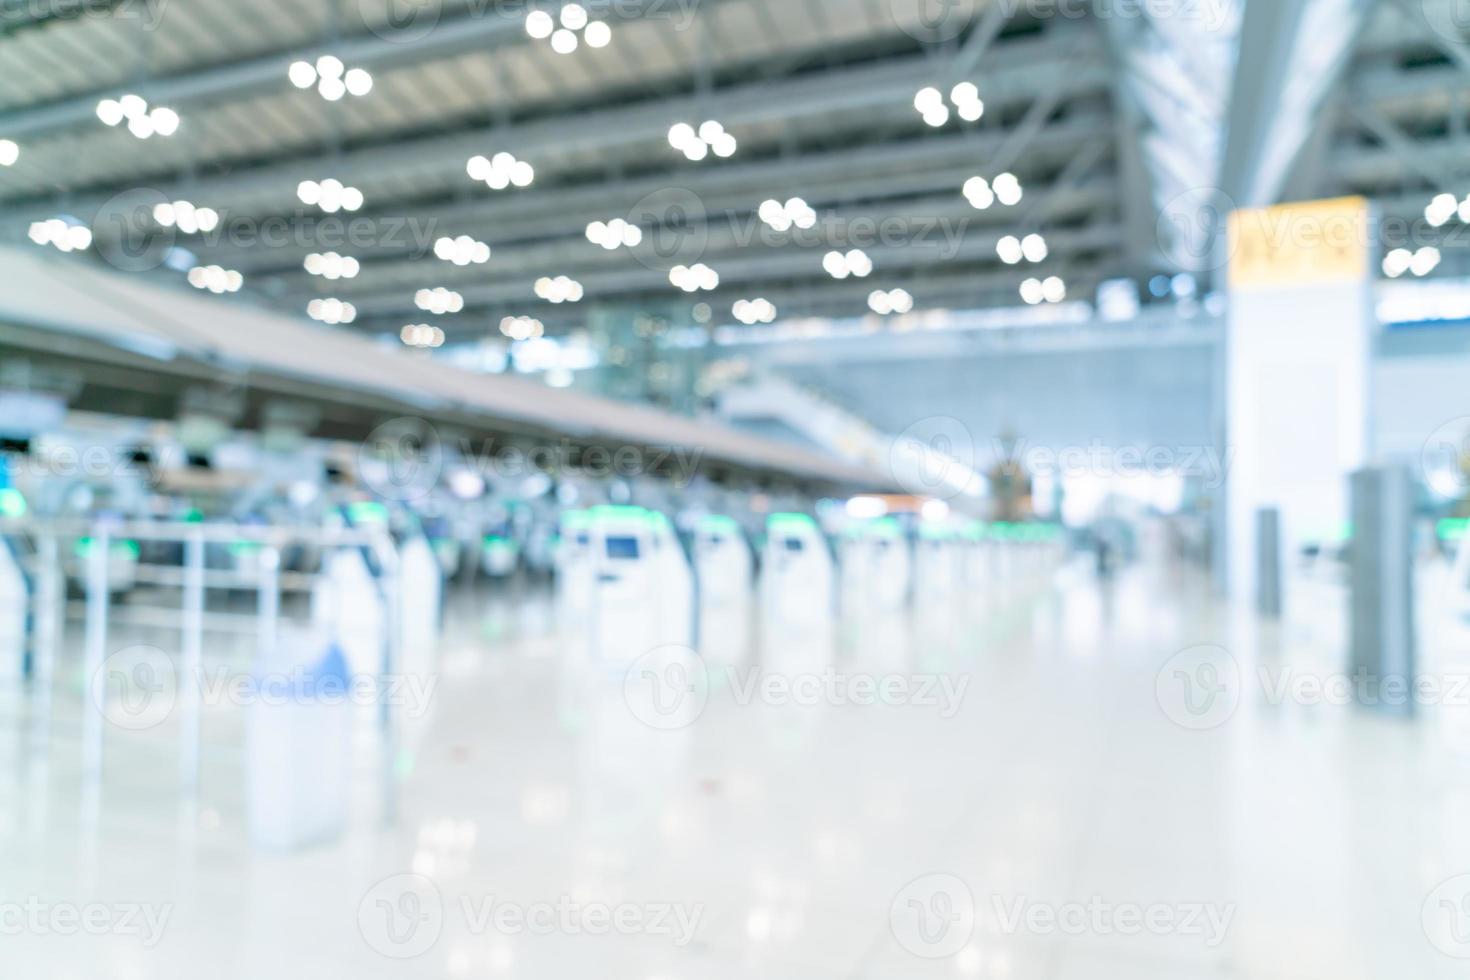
{"x":1298,"y":359}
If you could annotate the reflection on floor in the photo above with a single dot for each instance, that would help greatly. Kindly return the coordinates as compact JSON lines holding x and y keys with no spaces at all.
{"x":1029,"y":788}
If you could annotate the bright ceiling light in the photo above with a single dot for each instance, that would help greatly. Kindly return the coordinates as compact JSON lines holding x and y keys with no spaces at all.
{"x":330,"y":265}
{"x":1007,"y":189}
{"x":559,"y":290}
{"x":575,"y":26}
{"x":574,"y":16}
{"x":1053,"y":289}
{"x":9,"y":152}
{"x":110,"y":111}
{"x":143,"y":121}
{"x":966,"y":99}
{"x":615,"y":234}
{"x":891,"y":301}
{"x":359,"y":81}
{"x":500,"y":172}
{"x":63,"y":234}
{"x":1034,"y":248}
{"x":302,"y":74}
{"x":978,"y":192}
{"x":540,"y":24}
{"x":329,"y":66}
{"x":598,"y":34}
{"x":333,"y":311}
{"x":331,"y":195}
{"x":185,"y":216}
{"x":1424,"y":261}
{"x":853,"y":263}
{"x":1032,"y":292}
{"x":782,"y":217}
{"x":522,"y":328}
{"x":696,"y":145}
{"x":215,"y":279}
{"x":165,"y":121}
{"x":439,"y":300}
{"x":1397,"y":262}
{"x":462,"y":251}
{"x":753,"y":311}
{"x":421,"y":335}
{"x":691,"y":279}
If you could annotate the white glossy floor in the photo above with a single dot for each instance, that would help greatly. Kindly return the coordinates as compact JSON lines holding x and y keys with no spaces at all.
{"x":791,"y":839}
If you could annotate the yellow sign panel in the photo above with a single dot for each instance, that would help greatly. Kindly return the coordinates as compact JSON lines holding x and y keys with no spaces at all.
{"x":1309,"y":243}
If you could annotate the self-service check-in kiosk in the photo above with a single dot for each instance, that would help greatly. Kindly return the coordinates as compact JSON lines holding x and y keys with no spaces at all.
{"x":797,"y":592}
{"x":977,"y":561}
{"x":938,"y":566}
{"x":625,"y":600}
{"x":876,"y":570}
{"x":575,"y":573}
{"x":724,"y":567}
{"x":676,"y":583}
{"x":15,"y":596}
{"x":347,"y":602}
{"x":421,"y":600}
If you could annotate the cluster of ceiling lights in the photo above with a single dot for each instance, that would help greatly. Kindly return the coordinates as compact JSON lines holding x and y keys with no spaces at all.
{"x":693,"y":278}
{"x":500,"y":171}
{"x":421,"y":335}
{"x":9,"y":152}
{"x":64,"y":235}
{"x":853,"y":263}
{"x":1420,"y":263}
{"x":522,"y":328}
{"x":331,"y":195}
{"x":559,"y":290}
{"x":142,"y":121}
{"x":893,"y":301}
{"x":753,"y":311}
{"x":215,"y":279}
{"x":615,"y":234}
{"x":564,"y":38}
{"x":330,"y":265}
{"x":185,"y":216}
{"x":783,"y":217}
{"x":438,"y":300}
{"x":333,"y":311}
{"x":1446,"y":206}
{"x":696,"y":144}
{"x":966,"y":99}
{"x":1013,"y":250}
{"x":1049,"y":290}
{"x":332,"y":79}
{"x":982,"y":193}
{"x":463,"y":250}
